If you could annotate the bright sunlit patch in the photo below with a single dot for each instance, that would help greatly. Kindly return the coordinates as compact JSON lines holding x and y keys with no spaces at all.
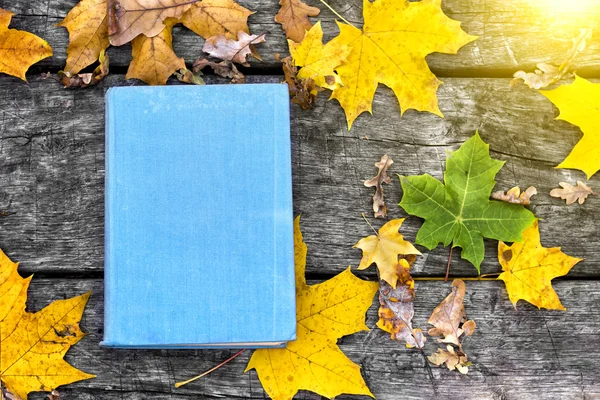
{"x":570,"y":6}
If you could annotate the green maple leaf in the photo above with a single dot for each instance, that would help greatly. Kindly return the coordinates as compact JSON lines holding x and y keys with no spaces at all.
{"x":459,"y":211}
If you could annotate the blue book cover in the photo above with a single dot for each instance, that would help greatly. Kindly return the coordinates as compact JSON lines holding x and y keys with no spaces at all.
{"x":199,"y":225}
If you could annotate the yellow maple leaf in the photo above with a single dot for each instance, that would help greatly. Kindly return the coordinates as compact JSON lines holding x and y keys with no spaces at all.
{"x":529,"y":269}
{"x":318,"y":62}
{"x":391,"y":49}
{"x":32,"y":346}
{"x":324,"y":312}
{"x":384,"y":248}
{"x":579,"y":104}
{"x":19,"y":50}
{"x":87,"y":24}
{"x":154,"y":60}
{"x":217,"y":17}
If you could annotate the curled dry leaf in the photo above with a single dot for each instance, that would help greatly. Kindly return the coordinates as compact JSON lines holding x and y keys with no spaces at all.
{"x":325,"y":312}
{"x":450,"y":321}
{"x":548,"y":74}
{"x":452,"y":359}
{"x":293,"y":17}
{"x":396,"y":309}
{"x":383,"y":249}
{"x":154,"y":60}
{"x":225,"y":69}
{"x":186,"y":76}
{"x":379,"y":207}
{"x":130,"y":18}
{"x":572,"y":193}
{"x":529,"y":269}
{"x":19,"y":50}
{"x":514,"y":195}
{"x":303,"y":92}
{"x":32,"y":353}
{"x":55,"y":395}
{"x":232,"y":50}
{"x":70,"y":80}
{"x":318,"y":62}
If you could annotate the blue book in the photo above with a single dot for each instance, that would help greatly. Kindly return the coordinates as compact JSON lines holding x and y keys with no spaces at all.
{"x":199,"y":225}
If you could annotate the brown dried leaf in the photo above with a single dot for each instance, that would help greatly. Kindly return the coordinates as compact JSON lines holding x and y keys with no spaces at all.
{"x":154,"y":60}
{"x":87,"y":24}
{"x":396,"y":309}
{"x":449,"y":318}
{"x":515,"y":196}
{"x":303,"y":92}
{"x":548,"y":74}
{"x":379,"y":207}
{"x":225,"y":69}
{"x":232,"y":50}
{"x":130,"y":18}
{"x":572,"y":193}
{"x":217,"y":17}
{"x":70,"y":80}
{"x":452,"y":359}
{"x":450,"y":321}
{"x":293,"y":17}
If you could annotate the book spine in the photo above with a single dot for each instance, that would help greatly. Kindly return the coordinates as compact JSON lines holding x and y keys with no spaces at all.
{"x":108,"y":194}
{"x":284,"y":319}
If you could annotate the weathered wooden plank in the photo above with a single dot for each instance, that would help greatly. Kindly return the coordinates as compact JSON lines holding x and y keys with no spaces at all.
{"x":52,"y":171}
{"x":513,"y":35}
{"x":517,"y":354}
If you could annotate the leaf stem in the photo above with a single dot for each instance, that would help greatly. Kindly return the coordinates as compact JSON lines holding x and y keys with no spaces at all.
{"x":337,"y":14}
{"x":180,"y":384}
{"x":448,"y":267}
{"x":368,"y":223}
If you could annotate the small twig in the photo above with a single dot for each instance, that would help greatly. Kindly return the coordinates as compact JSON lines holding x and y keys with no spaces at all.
{"x":180,"y":384}
{"x":368,"y":223}
{"x":448,"y":267}
{"x":336,"y":13}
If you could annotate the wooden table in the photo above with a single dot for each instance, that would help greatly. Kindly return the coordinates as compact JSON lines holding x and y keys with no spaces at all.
{"x":51,"y":198}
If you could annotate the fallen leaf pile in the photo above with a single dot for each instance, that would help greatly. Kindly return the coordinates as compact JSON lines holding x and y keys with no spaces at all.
{"x":459,"y":211}
{"x":529,"y":268}
{"x":571,"y":194}
{"x":34,"y":344}
{"x":325,"y":312}
{"x":450,"y":322}
{"x":379,"y":207}
{"x":94,"y":25}
{"x":19,"y":50}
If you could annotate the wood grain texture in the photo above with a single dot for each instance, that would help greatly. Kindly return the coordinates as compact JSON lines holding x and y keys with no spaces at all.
{"x":513,"y":35}
{"x":517,"y":354}
{"x":52,"y":171}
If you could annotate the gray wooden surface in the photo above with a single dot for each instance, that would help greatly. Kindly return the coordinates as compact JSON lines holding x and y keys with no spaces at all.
{"x":51,"y":208}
